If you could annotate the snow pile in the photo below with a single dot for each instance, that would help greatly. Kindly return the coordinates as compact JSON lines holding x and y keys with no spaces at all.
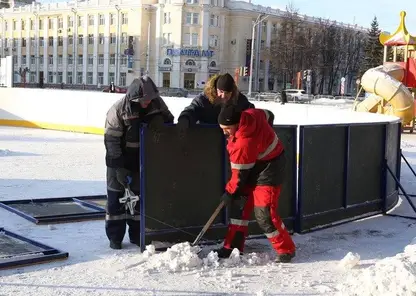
{"x":184,"y":257}
{"x":389,"y":276}
{"x":350,"y":260}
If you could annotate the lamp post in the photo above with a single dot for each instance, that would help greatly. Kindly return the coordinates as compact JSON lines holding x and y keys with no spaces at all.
{"x":2,"y":35}
{"x":259,"y":20}
{"x":74,"y":46}
{"x":116,"y":76}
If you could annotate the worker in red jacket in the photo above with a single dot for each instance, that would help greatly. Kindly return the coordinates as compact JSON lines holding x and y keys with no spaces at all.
{"x":257,"y":164}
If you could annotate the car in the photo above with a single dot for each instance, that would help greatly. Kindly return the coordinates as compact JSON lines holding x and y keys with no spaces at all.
{"x":173,"y":92}
{"x":297,"y":95}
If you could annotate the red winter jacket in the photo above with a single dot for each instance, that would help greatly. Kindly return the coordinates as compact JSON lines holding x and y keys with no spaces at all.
{"x":256,"y":153}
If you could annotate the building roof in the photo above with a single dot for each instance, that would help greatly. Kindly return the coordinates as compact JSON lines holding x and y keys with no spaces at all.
{"x":400,"y":37}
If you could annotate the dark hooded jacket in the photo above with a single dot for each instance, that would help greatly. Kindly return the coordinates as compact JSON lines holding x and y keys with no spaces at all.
{"x":124,"y":119}
{"x":205,"y":108}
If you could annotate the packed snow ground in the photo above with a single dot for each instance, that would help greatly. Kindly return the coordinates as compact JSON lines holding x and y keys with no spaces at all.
{"x":364,"y":257}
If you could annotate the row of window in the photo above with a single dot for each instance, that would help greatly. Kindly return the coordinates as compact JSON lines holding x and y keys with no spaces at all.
{"x":190,"y":39}
{"x":60,"y":40}
{"x":60,"y":22}
{"x":80,"y":60}
{"x":80,"y":78}
{"x":190,"y":62}
{"x":192,"y":18}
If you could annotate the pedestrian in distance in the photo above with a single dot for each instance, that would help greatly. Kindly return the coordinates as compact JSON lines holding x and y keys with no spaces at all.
{"x":141,"y":105}
{"x":257,"y":160}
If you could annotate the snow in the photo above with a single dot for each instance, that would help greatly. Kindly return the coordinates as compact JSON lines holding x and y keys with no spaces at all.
{"x":371,"y":256}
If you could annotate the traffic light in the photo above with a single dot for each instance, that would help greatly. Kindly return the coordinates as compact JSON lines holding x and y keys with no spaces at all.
{"x":245,"y":71}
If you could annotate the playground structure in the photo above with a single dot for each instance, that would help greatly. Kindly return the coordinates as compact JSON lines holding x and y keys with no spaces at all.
{"x":393,"y":84}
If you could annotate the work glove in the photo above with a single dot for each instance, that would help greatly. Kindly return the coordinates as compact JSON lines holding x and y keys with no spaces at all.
{"x":227,"y":198}
{"x":182,"y":126}
{"x":123,"y":176}
{"x":157,"y":124}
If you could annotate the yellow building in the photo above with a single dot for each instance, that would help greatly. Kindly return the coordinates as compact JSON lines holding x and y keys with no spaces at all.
{"x":179,"y":42}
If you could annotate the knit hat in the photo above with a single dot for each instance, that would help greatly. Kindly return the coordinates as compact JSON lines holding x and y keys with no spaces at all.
{"x":229,"y":115}
{"x":225,"y":83}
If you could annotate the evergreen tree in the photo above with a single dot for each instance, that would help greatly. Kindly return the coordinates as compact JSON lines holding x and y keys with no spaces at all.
{"x":373,"y":51}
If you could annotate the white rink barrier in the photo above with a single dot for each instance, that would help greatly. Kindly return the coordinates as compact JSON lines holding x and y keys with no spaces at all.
{"x":66,"y":110}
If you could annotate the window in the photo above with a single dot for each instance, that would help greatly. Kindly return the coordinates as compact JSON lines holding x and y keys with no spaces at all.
{"x":214,"y":2}
{"x":23,"y":25}
{"x":69,"y":77}
{"x":32,"y":41}
{"x":60,"y":23}
{"x":80,"y":22}
{"x":101,"y":38}
{"x":50,"y":77}
{"x":90,"y":20}
{"x":80,"y":59}
{"x":194,"y":40}
{"x":23,"y":42}
{"x":166,"y":17}
{"x":166,"y":38}
{"x":14,"y":42}
{"x":112,"y":38}
{"x":111,"y":77}
{"x":122,"y":79}
{"x":192,"y":18}
{"x":190,"y":63}
{"x":166,"y":79}
{"x":167,"y":62}
{"x":60,"y":41}
{"x":32,"y":60}
{"x":100,"y":78}
{"x":124,"y":19}
{"x":70,"y":60}
{"x":50,"y":59}
{"x":79,"y":77}
{"x":90,"y":38}
{"x":41,"y":41}
{"x":80,"y":39}
{"x":32,"y":24}
{"x":213,"y":64}
{"x":101,"y":20}
{"x":50,"y":23}
{"x":70,"y":21}
{"x":214,"y":20}
{"x":100,"y":59}
{"x":50,"y":41}
{"x":112,"y":59}
{"x":90,"y":59}
{"x":89,"y":77}
{"x":41,"y":60}
{"x":60,"y":60}
{"x":213,"y":40}
{"x":32,"y":78}
{"x":112,"y":19}
{"x":59,"y":78}
{"x":40,"y":24}
{"x":14,"y":25}
{"x":123,"y":61}
{"x":70,"y":40}
{"x":191,"y":1}
{"x":23,"y":60}
{"x":123,"y":38}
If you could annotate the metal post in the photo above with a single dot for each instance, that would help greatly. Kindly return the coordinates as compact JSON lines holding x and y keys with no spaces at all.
{"x":258,"y":48}
{"x":117,"y":46}
{"x":148,"y":50}
{"x":258,"y":20}
{"x":74,"y":47}
{"x":251,"y":60}
{"x":2,"y":36}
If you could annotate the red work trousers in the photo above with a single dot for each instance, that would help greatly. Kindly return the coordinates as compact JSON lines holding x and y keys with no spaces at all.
{"x":264,"y":201}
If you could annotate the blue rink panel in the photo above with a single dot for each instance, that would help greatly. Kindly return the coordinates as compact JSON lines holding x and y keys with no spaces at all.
{"x":35,"y":252}
{"x":83,"y":209}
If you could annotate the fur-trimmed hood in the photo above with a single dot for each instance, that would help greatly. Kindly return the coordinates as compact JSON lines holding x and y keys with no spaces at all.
{"x":210,"y":90}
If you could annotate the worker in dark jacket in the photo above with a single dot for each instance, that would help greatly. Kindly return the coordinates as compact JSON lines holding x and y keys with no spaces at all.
{"x":205,"y":107}
{"x":141,"y":104}
{"x":257,"y":163}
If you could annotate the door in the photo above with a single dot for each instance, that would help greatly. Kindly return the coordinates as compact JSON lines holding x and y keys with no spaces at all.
{"x":189,"y":80}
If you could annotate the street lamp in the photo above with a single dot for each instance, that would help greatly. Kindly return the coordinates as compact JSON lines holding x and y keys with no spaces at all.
{"x":2,"y":35}
{"x":259,"y":20}
{"x":74,"y":46}
{"x":116,"y":76}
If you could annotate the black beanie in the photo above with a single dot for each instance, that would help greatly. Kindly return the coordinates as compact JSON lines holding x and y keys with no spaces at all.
{"x":229,"y":115}
{"x":225,"y":82}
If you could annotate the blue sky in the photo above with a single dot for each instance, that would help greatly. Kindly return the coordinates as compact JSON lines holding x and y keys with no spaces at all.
{"x":359,"y":11}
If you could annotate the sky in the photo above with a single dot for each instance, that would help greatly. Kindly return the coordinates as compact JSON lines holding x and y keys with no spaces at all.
{"x":360,"y":12}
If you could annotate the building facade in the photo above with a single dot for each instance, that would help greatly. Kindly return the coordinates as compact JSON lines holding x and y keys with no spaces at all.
{"x":180,"y":43}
